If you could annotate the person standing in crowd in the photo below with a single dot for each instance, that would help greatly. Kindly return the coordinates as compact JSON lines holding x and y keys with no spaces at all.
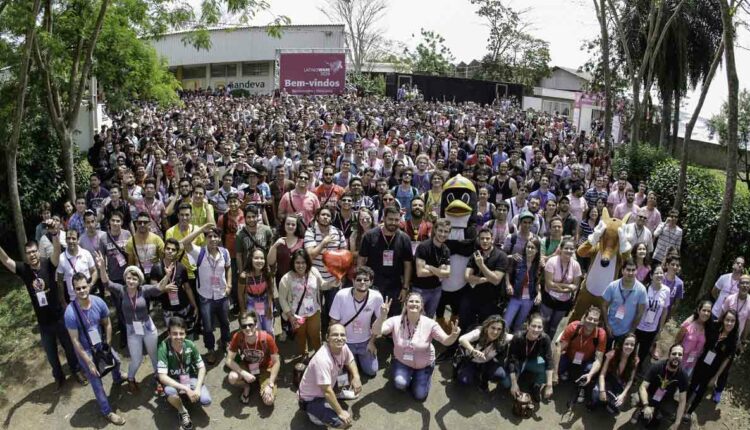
{"x":230,"y":222}
{"x":219,"y":197}
{"x":38,"y":275}
{"x":76,"y":221}
{"x":617,"y":375}
{"x":202,"y":212}
{"x":257,"y":290}
{"x":96,"y":194}
{"x":663,"y":380}
{"x":739,"y":303}
{"x":332,"y":367}
{"x":484,"y":274}
{"x":180,"y":303}
{"x":624,"y":302}
{"x":562,"y":278}
{"x":726,"y":285}
{"x":73,"y":260}
{"x":144,"y":248}
{"x":387,"y":251}
{"x":667,"y":234}
{"x":648,"y":330}
{"x":253,"y":357}
{"x":627,"y":207}
{"x":214,"y":281}
{"x":522,"y":285}
{"x":674,"y":283}
{"x":299,"y":201}
{"x":329,"y":193}
{"x":355,"y":308}
{"x":182,"y":371}
{"x":692,"y":335}
{"x":418,"y":228}
{"x":150,"y":205}
{"x":322,"y":237}
{"x":432,"y":264}
{"x":89,"y":328}
{"x":412,"y":333}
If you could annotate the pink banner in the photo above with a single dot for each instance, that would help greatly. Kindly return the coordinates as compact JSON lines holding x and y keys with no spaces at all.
{"x":313,"y":74}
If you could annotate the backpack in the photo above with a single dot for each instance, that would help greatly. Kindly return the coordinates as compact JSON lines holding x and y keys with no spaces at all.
{"x":578,"y":331}
{"x":202,"y":256}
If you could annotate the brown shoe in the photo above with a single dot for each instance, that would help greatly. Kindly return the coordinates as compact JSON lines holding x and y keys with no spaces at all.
{"x":115,"y":419}
{"x":211,"y":358}
{"x":132,"y":387}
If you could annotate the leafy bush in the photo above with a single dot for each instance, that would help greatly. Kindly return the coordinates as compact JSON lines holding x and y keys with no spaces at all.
{"x":368,"y":85}
{"x":640,"y":166}
{"x":700,"y":216}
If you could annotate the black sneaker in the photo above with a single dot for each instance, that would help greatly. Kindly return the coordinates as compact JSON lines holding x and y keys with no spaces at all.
{"x":185,"y":422}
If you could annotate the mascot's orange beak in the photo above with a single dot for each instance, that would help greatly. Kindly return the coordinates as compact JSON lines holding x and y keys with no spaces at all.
{"x":457,"y":208}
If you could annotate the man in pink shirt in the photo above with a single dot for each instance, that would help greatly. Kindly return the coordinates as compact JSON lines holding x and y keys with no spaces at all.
{"x":299,"y":201}
{"x":627,"y":207}
{"x":331,"y":366}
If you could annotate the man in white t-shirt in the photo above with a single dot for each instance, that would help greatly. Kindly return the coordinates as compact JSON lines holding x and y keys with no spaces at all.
{"x":74,"y":260}
{"x":354,"y":308}
{"x":332,"y":366}
{"x":726,"y":285}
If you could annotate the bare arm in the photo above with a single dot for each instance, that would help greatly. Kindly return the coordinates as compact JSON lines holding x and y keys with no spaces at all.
{"x":8,"y":262}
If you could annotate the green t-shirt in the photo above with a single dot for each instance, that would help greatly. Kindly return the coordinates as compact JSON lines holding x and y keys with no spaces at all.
{"x":173,"y":364}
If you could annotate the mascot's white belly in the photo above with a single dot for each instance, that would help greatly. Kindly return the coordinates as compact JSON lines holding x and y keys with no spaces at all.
{"x":458,"y":263}
{"x":600,"y":277}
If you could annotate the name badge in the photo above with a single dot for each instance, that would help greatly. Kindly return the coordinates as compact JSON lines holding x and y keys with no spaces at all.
{"x":174,"y":298}
{"x":414,"y":247}
{"x":185,"y":379}
{"x":650,"y":316}
{"x":620,"y":313}
{"x":138,"y":328}
{"x":691,"y":358}
{"x":254,"y":368}
{"x":260,"y":308}
{"x":215,"y":281}
{"x":309,"y":305}
{"x":388,"y":258}
{"x":343,"y":380}
{"x":409,"y":354}
{"x":578,"y":358}
{"x":659,"y":394}
{"x":41,"y":298}
{"x":357,"y":327}
{"x":709,"y":358}
{"x":120,"y":259}
{"x":94,"y":335}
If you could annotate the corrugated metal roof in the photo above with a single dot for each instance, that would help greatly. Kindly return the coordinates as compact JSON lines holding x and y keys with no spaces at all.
{"x":251,"y":27}
{"x":583,"y":75}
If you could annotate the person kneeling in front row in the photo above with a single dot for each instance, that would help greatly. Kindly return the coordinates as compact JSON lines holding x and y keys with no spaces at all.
{"x":182,"y":371}
{"x":253,"y":356}
{"x":331,"y":366}
{"x":487,"y":348}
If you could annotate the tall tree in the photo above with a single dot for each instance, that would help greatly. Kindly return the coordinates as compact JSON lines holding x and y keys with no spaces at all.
{"x":728,"y":14}
{"x":361,"y":19}
{"x":601,"y":15}
{"x":431,"y":56}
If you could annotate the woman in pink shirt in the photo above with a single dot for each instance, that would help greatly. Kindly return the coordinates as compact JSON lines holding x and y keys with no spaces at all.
{"x":692,"y":335}
{"x":412,"y":334}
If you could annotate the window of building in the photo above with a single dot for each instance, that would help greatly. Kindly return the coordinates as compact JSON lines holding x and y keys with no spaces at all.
{"x":223,"y":70}
{"x":255,"y":69}
{"x":552,"y":106}
{"x":194,"y":72}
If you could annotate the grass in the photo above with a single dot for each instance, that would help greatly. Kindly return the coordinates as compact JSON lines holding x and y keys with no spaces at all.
{"x":17,"y":320}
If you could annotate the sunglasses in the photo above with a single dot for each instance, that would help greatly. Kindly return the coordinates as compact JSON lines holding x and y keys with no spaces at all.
{"x":303,"y":178}
{"x":250,"y":325}
{"x":388,"y":200}
{"x":362,"y":280}
{"x":346,"y":200}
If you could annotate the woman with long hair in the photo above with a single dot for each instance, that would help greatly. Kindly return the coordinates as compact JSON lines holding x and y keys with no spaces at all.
{"x":395,"y":177}
{"x":522,"y":285}
{"x":590,"y":220}
{"x":487,"y":346}
{"x":654,"y":316}
{"x":413,"y":352}
{"x":642,"y":263}
{"x":617,"y":375}
{"x":386,"y":200}
{"x":257,"y":289}
{"x":692,"y":335}
{"x":562,"y":277}
{"x":721,"y":344}
{"x":485,"y":209}
{"x":530,"y":351}
{"x":364,"y":223}
{"x":291,"y":239}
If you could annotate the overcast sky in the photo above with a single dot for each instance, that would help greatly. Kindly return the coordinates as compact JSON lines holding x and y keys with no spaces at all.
{"x":565,"y":24}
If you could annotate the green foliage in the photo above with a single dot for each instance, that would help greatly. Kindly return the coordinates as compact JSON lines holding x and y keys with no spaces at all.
{"x":431,"y":56}
{"x":717,"y":124}
{"x":367,"y":84}
{"x":16,"y":319}
{"x":700,"y":216}
{"x":639,"y":163}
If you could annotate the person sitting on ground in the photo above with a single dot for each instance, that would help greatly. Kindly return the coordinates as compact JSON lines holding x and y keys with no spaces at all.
{"x":659,"y":386}
{"x":617,"y":375}
{"x":253,"y":356}
{"x":487,"y":348}
{"x":182,"y":371}
{"x":332,"y":366}
{"x":530,"y":351}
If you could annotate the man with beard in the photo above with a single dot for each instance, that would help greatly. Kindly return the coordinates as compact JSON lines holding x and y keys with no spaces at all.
{"x":96,"y":194}
{"x":299,"y":201}
{"x":145,"y":248}
{"x":357,"y":189}
{"x":151,"y":206}
{"x":356,"y":309}
{"x":417,"y":227}
{"x":627,"y":207}
{"x":112,"y":247}
{"x":115,"y":204}
{"x":504,"y":186}
{"x":329,"y":193}
{"x":485,"y":271}
{"x":618,"y":195}
{"x":185,"y":189}
{"x":432,"y":264}
{"x":387,"y":251}
{"x":663,"y":379}
{"x":252,"y":235}
{"x":47,"y":300}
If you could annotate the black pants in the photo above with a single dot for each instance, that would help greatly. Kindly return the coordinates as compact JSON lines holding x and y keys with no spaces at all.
{"x":452,"y":299}
{"x":645,"y":340}
{"x":473,"y":310}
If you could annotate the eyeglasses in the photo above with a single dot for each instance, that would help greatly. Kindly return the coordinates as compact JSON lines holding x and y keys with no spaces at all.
{"x":407,"y":174}
{"x":303,"y":178}
{"x":362,"y":280}
{"x":327,"y":174}
{"x":388,"y":199}
{"x":248,"y":325}
{"x":141,"y":222}
{"x":346,"y":200}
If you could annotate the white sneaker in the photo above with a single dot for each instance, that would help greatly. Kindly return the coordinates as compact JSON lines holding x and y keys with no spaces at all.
{"x":346,"y":394}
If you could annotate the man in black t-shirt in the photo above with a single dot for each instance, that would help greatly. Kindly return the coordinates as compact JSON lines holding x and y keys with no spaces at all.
{"x":484,"y":273}
{"x":181,"y":303}
{"x":387,"y":251}
{"x":47,"y":299}
{"x":663,"y":379}
{"x":432,"y":264}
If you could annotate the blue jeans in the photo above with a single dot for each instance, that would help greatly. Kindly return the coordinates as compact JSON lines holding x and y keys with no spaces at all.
{"x":51,"y":334}
{"x":98,"y":386}
{"x":430,"y":299}
{"x":368,"y":363}
{"x":205,"y":398}
{"x":418,"y":380}
{"x":613,"y":387}
{"x":574,"y":371}
{"x":209,"y":307}
{"x":150,"y":338}
{"x":537,"y":367}
{"x":517,"y":312}
{"x":266,"y":321}
{"x":552,"y":319}
{"x":321,"y":413}
{"x":491,"y":371}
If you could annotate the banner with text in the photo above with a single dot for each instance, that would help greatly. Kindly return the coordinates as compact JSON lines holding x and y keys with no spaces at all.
{"x":312,"y":74}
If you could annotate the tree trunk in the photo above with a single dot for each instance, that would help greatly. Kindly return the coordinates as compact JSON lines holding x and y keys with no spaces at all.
{"x":607,"y":78}
{"x":68,"y":163}
{"x":681,"y":183}
{"x":666,"y":115}
{"x":635,"y":123}
{"x":732,"y":124}
{"x":675,"y":122}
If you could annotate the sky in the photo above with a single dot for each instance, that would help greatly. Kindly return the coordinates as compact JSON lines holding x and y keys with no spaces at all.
{"x":565,"y":24}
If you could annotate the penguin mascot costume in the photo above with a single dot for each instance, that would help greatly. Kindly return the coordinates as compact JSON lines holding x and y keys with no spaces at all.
{"x":459,"y":205}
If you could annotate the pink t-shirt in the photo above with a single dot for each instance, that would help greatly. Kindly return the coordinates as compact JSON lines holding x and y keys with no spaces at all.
{"x":294,"y":202}
{"x":570,"y":271}
{"x":695,"y":338}
{"x":323,"y":369}
{"x":412,"y":346}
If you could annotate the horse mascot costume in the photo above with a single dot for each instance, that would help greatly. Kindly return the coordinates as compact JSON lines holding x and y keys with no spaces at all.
{"x":609,"y":248}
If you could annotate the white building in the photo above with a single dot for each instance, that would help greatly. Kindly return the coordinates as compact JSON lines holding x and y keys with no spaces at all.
{"x":244,"y":56}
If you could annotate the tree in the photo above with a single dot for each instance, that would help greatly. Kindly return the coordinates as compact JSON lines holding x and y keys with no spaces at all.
{"x":729,"y":10}
{"x":601,"y":15}
{"x":360,"y":17}
{"x":718,"y":124}
{"x":431,"y":56}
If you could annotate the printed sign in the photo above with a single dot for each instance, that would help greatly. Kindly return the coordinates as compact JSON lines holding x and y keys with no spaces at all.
{"x":312,"y":74}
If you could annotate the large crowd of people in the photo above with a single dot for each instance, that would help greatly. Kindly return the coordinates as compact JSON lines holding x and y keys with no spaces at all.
{"x":226,"y":209}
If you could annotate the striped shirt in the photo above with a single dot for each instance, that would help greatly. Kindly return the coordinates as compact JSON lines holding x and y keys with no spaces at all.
{"x":313,"y":237}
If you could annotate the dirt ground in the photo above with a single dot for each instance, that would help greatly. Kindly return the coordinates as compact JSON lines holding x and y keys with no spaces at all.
{"x":29,"y":403}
